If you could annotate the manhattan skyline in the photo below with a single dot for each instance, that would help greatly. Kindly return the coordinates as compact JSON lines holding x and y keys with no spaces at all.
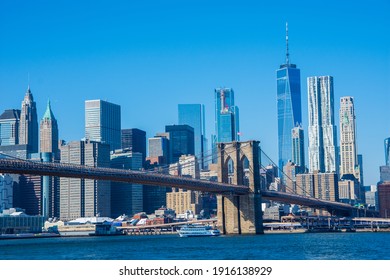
{"x":150,"y":57}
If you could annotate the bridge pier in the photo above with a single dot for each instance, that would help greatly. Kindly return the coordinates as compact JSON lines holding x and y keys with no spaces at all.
{"x":240,"y":214}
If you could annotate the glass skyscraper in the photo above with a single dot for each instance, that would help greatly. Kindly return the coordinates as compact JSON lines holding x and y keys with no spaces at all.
{"x":194,"y":116}
{"x":226,"y":116}
{"x":322,"y":131}
{"x":9,"y":127}
{"x":289,"y":106}
{"x":181,"y":141}
{"x":387,"y":151}
{"x":298,"y":144}
{"x":103,"y":123}
{"x":134,"y":139}
{"x":226,"y":119}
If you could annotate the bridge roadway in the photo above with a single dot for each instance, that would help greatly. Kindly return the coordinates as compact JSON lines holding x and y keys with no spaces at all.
{"x":15,"y":166}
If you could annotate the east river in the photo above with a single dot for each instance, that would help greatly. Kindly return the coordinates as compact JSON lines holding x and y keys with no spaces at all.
{"x":304,"y":246}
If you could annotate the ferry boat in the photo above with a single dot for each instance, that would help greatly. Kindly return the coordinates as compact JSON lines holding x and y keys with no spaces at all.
{"x":198,"y":230}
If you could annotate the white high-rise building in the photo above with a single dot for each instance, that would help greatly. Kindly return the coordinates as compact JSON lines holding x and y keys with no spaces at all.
{"x":322,"y":131}
{"x":348,"y":150}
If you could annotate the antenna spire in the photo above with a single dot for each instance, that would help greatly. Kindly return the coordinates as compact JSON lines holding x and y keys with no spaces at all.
{"x":287,"y":53}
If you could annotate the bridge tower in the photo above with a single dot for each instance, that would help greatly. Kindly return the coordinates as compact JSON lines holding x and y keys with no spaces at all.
{"x":240,"y":214}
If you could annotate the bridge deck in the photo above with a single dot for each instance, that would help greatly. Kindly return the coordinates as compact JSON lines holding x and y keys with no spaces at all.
{"x":152,"y":179}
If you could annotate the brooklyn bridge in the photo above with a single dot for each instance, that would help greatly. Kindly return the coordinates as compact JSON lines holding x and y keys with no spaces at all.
{"x":239,"y":204}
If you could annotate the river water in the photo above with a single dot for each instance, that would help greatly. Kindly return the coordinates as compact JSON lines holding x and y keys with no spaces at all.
{"x":304,"y":246}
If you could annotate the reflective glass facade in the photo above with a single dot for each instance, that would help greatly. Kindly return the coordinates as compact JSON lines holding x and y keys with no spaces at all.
{"x":9,"y":127}
{"x":289,"y":109}
{"x":181,"y":141}
{"x":193,"y":115}
{"x":387,"y":151}
{"x":226,"y":116}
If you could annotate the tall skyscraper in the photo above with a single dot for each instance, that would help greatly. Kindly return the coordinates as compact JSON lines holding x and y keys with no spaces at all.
{"x":28,"y":127}
{"x":226,"y":116}
{"x":103,"y":123}
{"x":387,"y":151}
{"x":181,"y":141}
{"x":361,"y":168}
{"x":298,"y":147}
{"x":126,"y":198}
{"x":85,"y":197}
{"x":194,"y":116}
{"x":9,"y":127}
{"x":49,"y":133}
{"x":289,"y":106}
{"x":322,"y":131}
{"x":49,"y":152}
{"x":348,"y":150}
{"x":135,"y":140}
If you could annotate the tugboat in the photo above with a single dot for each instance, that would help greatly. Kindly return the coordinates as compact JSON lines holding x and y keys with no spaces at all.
{"x":198,"y":231}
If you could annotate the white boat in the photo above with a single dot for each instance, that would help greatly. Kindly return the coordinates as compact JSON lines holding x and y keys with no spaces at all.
{"x":198,"y":230}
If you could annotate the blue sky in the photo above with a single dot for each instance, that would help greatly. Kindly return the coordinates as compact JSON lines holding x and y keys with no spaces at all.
{"x":149,"y":56}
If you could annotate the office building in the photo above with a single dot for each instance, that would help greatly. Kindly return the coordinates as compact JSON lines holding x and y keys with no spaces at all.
{"x":28,"y":126}
{"x":290,"y":171}
{"x":182,"y":200}
{"x":322,"y":131}
{"x":305,"y":184}
{"x":6,"y":192}
{"x":158,"y":150}
{"x":49,"y":133}
{"x":348,"y":149}
{"x":134,"y":139}
{"x":18,"y":151}
{"x":319,"y":185}
{"x":126,"y":198}
{"x":226,"y":116}
{"x":268,"y":175}
{"x":349,"y":190}
{"x":103,"y":123}
{"x":384,"y":172}
{"x":387,"y":151}
{"x":288,"y":105}
{"x":181,"y":141}
{"x":187,"y":166}
{"x":49,"y":152}
{"x":361,"y":169}
{"x":371,"y":196}
{"x":85,"y":197}
{"x":194,"y":116}
{"x":298,"y":147}
{"x":9,"y":127}
{"x":384,"y":199}
{"x":28,"y":194}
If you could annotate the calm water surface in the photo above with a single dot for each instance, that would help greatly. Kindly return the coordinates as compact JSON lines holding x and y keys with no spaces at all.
{"x":318,"y":246}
